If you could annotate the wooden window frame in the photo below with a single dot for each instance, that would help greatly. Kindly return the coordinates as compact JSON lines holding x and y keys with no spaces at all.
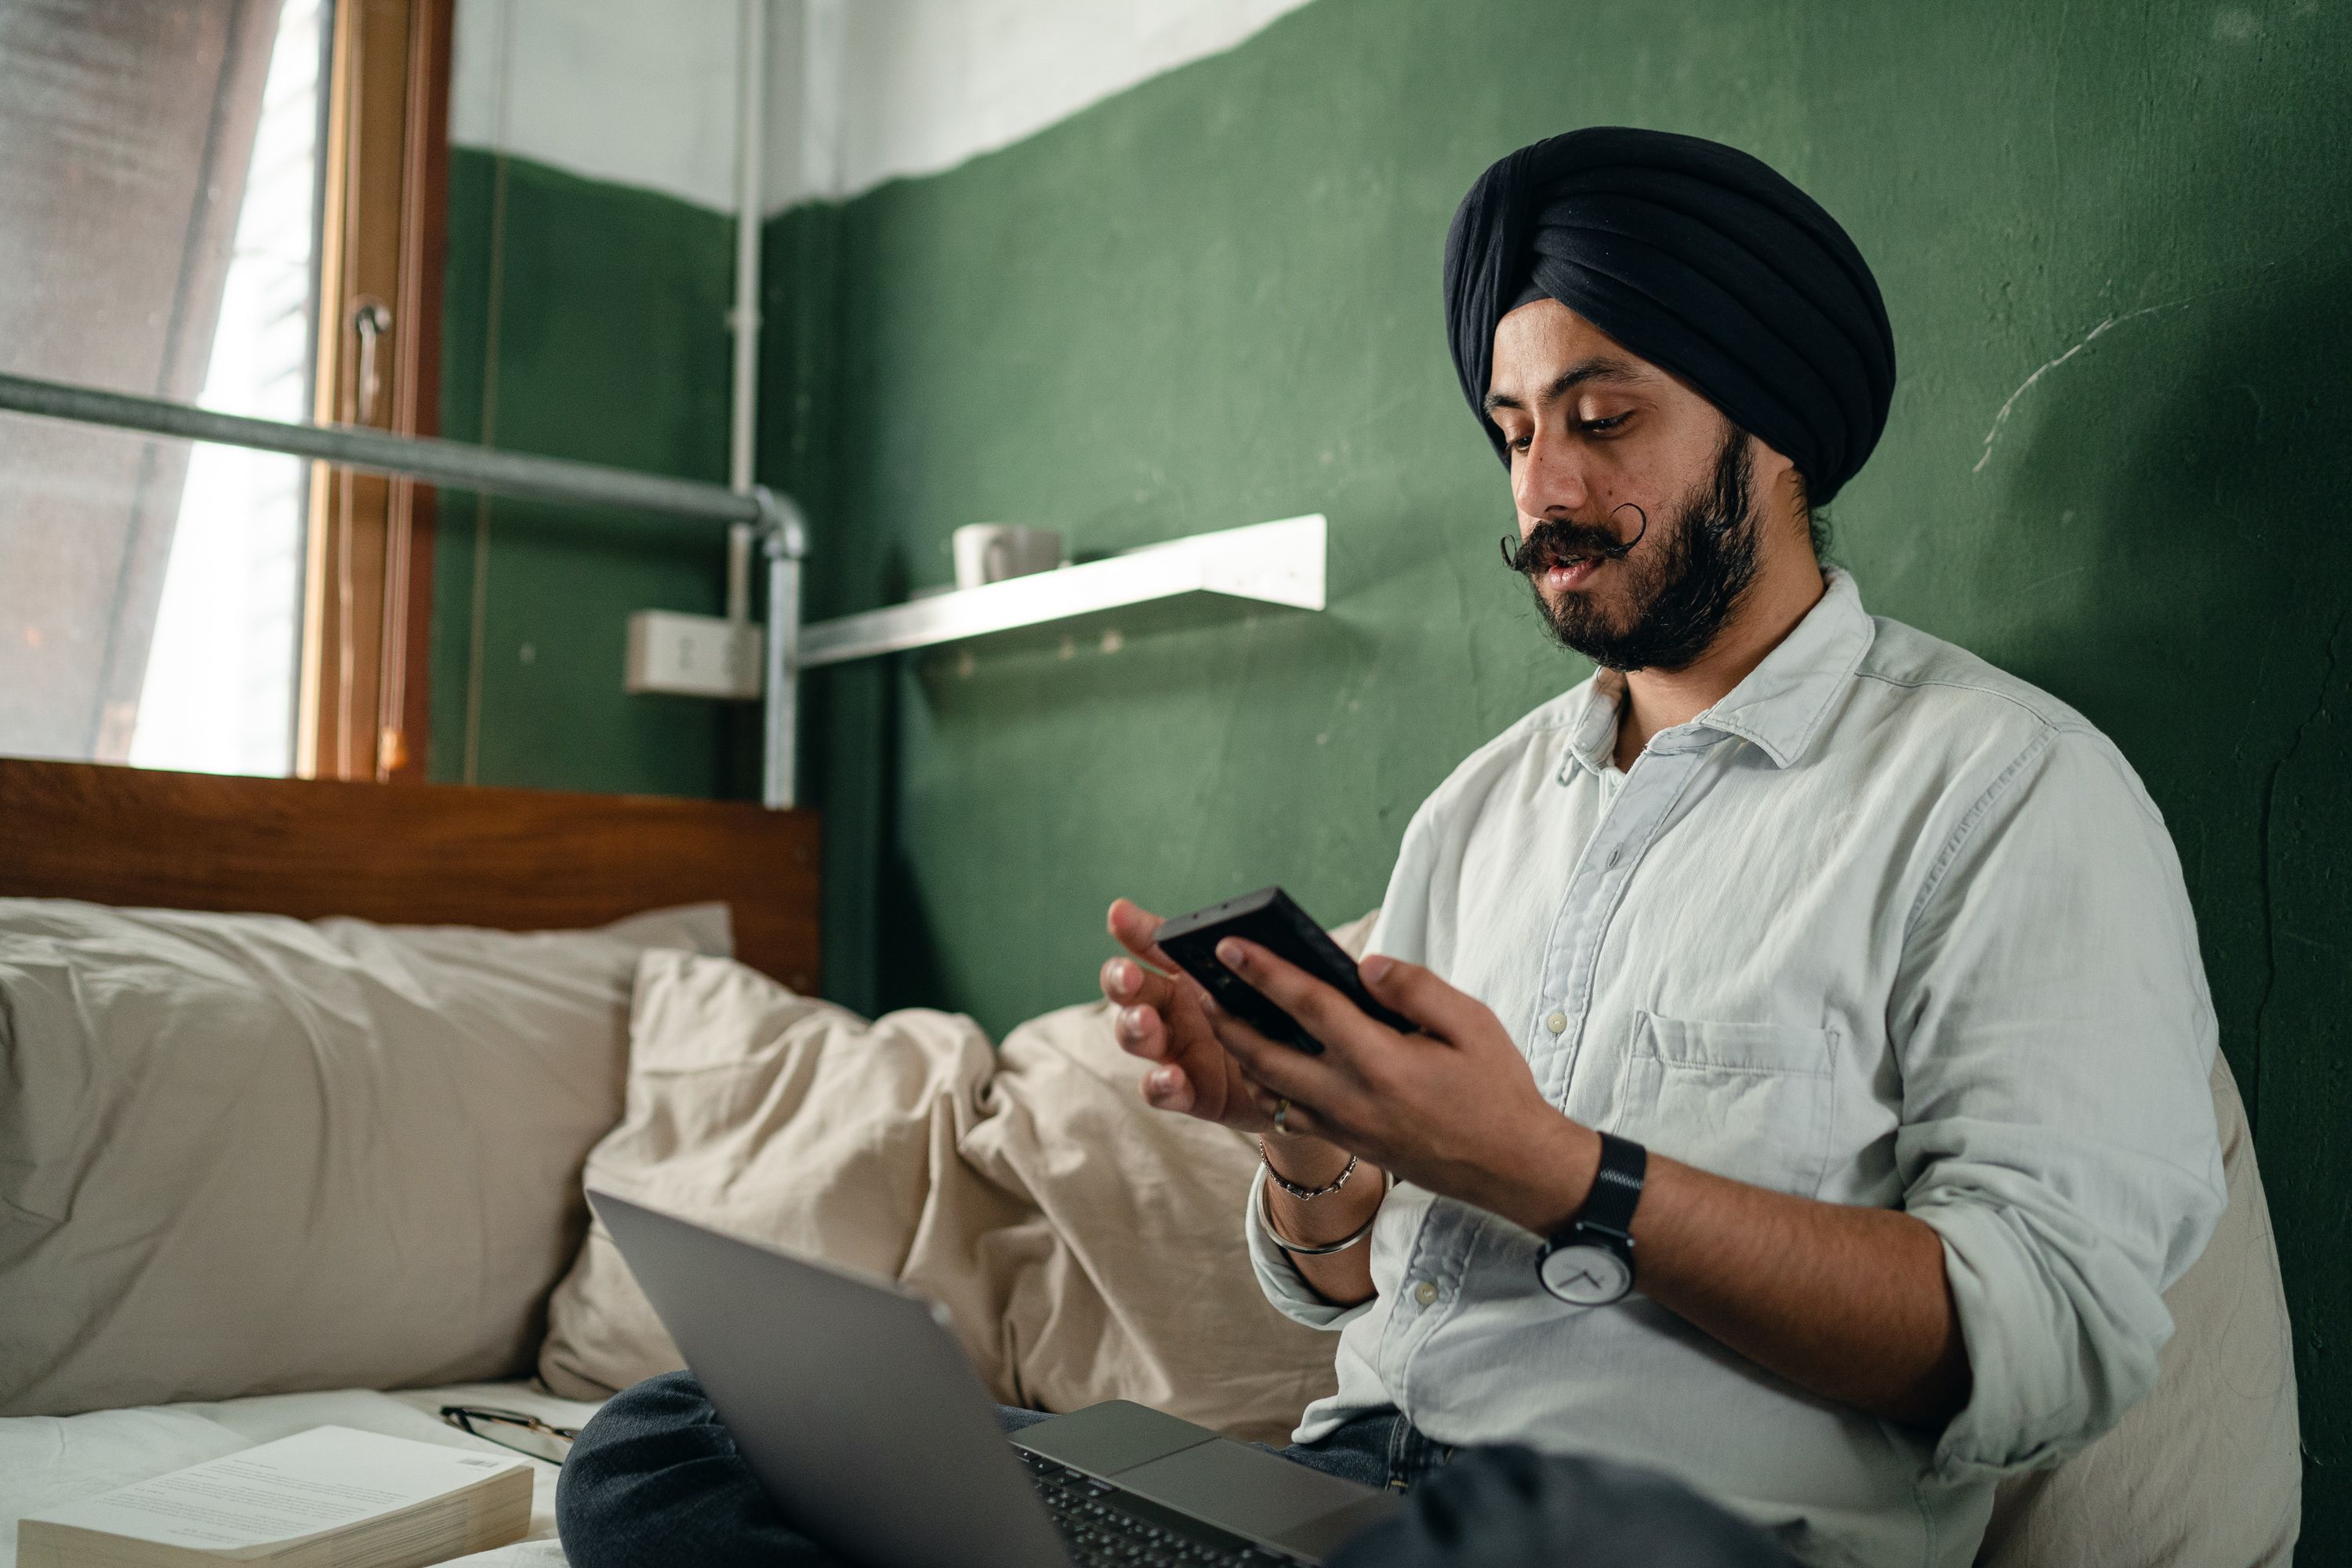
{"x":363,"y":709}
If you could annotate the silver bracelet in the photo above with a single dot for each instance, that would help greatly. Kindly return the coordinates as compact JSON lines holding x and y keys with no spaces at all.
{"x":1292,"y":1188}
{"x":1265,"y":1218}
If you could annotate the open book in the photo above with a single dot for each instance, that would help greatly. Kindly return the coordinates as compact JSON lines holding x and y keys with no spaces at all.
{"x":330,"y":1496}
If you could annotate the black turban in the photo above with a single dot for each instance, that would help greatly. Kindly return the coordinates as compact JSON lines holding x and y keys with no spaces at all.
{"x":1698,"y":258}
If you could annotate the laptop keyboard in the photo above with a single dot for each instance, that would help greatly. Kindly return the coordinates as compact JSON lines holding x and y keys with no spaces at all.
{"x":1104,"y":1526}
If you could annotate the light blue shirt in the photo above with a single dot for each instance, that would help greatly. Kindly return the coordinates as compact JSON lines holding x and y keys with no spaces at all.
{"x":1884,"y":926}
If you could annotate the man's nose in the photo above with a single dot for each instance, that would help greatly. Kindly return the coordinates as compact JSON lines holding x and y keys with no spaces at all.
{"x":1550,"y":479}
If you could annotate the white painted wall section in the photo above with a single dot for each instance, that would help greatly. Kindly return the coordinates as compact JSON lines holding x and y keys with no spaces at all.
{"x":860,"y":91}
{"x":927,"y":84}
{"x":638,"y":92}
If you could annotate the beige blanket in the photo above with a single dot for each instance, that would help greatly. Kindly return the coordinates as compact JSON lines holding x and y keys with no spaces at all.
{"x":1085,"y":1249}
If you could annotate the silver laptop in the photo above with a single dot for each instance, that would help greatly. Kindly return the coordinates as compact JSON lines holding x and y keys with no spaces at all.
{"x":855,"y":1408}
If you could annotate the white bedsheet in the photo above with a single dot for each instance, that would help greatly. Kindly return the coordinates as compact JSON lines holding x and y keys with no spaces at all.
{"x":47,"y":1460}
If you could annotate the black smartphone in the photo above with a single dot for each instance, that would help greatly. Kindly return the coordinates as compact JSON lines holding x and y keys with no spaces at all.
{"x":1270,"y":918}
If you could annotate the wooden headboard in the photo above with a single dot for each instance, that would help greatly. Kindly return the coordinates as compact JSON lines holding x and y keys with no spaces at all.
{"x":516,"y":860}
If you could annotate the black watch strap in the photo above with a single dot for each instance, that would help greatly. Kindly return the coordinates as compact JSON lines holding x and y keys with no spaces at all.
{"x":1617,"y":1187}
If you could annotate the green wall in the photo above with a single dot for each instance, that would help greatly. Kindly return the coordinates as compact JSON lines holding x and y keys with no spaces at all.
{"x":589,"y":320}
{"x":1214,"y":299}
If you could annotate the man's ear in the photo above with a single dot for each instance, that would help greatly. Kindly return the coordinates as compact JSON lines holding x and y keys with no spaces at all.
{"x":1800,"y":504}
{"x":1776,"y":478}
{"x":1771,"y":471}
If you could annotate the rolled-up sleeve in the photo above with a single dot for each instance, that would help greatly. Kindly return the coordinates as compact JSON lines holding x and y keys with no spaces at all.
{"x":2054,"y":1034}
{"x":1280,"y":1279}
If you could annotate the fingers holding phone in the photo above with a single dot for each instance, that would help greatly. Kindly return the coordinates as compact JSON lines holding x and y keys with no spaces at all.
{"x":1160,"y":1019}
{"x":1187,"y":1005}
{"x":1198,"y":945}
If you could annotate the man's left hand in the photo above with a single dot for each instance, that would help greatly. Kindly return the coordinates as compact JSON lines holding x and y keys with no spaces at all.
{"x":1454,"y":1109}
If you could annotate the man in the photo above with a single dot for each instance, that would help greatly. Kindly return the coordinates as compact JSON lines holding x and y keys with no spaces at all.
{"x":1811,"y":1100}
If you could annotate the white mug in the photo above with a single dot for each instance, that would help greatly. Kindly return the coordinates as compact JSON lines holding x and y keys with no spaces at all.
{"x":991,"y":551}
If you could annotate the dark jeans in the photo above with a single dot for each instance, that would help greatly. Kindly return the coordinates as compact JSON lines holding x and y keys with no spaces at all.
{"x":654,"y":1479}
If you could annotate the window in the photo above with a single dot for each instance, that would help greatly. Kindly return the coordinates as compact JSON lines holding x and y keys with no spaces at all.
{"x":186,"y":184}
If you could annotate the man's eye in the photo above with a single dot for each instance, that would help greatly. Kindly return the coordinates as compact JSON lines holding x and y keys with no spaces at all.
{"x":1602,"y":426}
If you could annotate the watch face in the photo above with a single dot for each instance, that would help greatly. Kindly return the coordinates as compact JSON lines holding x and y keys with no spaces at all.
{"x":1586,"y":1275}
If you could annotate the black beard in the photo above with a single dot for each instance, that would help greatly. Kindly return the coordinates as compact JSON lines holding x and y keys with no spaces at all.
{"x":1682,"y":593}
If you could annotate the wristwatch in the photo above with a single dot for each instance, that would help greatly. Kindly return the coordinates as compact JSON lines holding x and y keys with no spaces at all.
{"x":1591,"y":1262}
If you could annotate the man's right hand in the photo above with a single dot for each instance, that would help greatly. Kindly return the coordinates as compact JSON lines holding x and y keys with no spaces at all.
{"x":1160,"y":1018}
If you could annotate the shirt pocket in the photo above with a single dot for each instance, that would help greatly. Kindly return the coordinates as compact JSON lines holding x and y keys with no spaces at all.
{"x":1751,"y":1101}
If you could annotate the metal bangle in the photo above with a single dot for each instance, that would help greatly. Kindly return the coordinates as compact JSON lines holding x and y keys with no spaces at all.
{"x":1292,"y":1188}
{"x":1265,"y":1218}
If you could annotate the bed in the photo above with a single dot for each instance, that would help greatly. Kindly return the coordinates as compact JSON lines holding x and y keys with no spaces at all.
{"x":402,"y":857}
{"x":434,"y":1011}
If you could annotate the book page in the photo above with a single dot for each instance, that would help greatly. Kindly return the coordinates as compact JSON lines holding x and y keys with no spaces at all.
{"x":326,"y":1478}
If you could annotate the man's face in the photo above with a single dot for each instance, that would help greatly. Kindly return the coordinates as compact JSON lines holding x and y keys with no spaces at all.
{"x":1637,"y":520}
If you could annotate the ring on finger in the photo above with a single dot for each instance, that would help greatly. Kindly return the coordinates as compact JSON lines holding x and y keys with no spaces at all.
{"x":1281,"y":1109}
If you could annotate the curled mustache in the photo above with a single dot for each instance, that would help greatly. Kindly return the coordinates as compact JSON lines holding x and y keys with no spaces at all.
{"x":1554,"y":541}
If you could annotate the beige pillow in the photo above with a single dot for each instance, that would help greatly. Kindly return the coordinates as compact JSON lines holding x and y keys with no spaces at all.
{"x":249,"y":1154}
{"x":1085,"y":1246}
{"x":2207,"y":1469}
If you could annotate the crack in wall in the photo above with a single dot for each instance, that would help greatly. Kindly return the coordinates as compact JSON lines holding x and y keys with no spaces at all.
{"x":2001,"y":418}
{"x":2262,"y":835}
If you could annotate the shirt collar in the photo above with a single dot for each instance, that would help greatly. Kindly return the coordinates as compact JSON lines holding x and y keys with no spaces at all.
{"x":1780,"y":707}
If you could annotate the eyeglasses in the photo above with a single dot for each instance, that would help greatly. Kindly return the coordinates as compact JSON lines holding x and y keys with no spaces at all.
{"x":526,"y":1434}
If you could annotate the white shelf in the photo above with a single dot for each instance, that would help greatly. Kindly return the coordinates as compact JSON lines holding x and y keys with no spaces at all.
{"x":1274,"y":563}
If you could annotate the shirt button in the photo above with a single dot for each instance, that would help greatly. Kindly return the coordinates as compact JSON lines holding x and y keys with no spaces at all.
{"x":1556,"y":1023}
{"x":1425,"y":1292}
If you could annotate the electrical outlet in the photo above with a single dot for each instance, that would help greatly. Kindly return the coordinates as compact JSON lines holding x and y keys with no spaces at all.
{"x":692,"y":656}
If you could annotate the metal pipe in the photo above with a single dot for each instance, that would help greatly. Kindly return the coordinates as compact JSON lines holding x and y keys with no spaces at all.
{"x":751,"y":132}
{"x":452,"y":464}
{"x":785,"y":539}
{"x":741,"y":540}
{"x":449,"y":464}
{"x":742,"y":436}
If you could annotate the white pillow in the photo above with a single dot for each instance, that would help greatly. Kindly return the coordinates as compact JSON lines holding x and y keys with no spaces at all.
{"x":2208,"y":1468}
{"x":249,"y":1154}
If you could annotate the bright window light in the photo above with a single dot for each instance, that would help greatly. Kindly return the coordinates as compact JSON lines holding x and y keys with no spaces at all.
{"x":218,"y":695}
